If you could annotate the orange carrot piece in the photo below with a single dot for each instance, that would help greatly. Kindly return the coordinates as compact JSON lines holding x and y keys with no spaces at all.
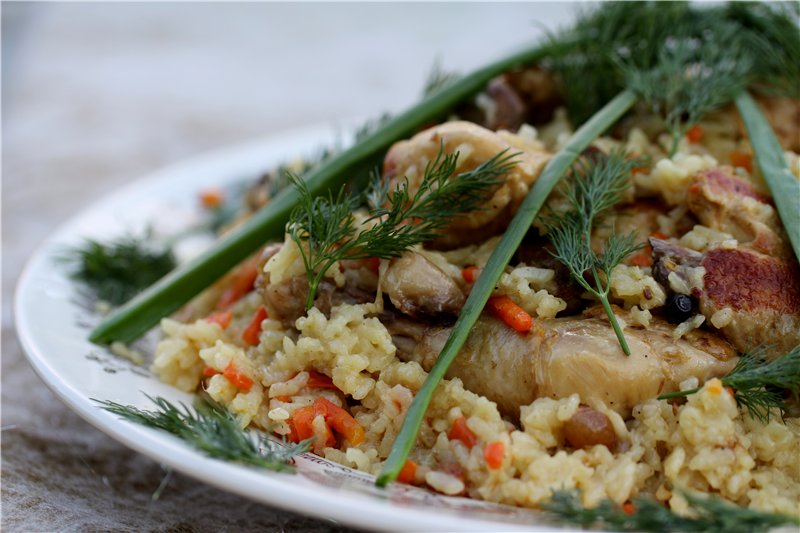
{"x":628,"y":508}
{"x":208,"y":372}
{"x":284,"y":399}
{"x":340,"y":420}
{"x":471,"y":273}
{"x":223,"y":318}
{"x":408,"y":472}
{"x":493,"y":453}
{"x":242,"y":283}
{"x":317,"y":380}
{"x":251,"y":332}
{"x":640,"y":170}
{"x":641,"y":259}
{"x":460,"y":431}
{"x":742,"y":159}
{"x":374,"y":264}
{"x":239,"y":380}
{"x":513,"y":315}
{"x":695,"y":134}
{"x":212,"y":198}
{"x":301,"y":422}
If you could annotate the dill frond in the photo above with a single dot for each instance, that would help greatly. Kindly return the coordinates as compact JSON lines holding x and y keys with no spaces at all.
{"x":116,"y":271}
{"x":325,"y":231}
{"x":708,"y":514}
{"x":597,"y":186}
{"x":760,"y":386}
{"x":212,"y":429}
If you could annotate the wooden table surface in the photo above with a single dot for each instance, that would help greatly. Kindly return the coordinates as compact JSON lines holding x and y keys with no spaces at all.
{"x":95,"y":95}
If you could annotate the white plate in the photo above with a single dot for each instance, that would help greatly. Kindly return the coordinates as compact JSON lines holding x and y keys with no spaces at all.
{"x":53,"y":325}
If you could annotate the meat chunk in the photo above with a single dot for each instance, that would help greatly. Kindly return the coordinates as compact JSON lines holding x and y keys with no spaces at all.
{"x":563,"y":356}
{"x":725,"y":202}
{"x":407,"y":160}
{"x":760,"y":294}
{"x":418,"y":288}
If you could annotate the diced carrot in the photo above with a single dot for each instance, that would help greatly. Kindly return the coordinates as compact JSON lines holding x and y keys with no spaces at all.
{"x":251,"y":332}
{"x":640,"y":170}
{"x":292,"y":436}
{"x":208,"y":372}
{"x":461,"y":432}
{"x":284,"y":399}
{"x":493,"y":453}
{"x":659,"y":235}
{"x":212,"y":198}
{"x":695,"y":134}
{"x":340,"y":420}
{"x":301,"y":421}
{"x":239,"y":380}
{"x":471,"y":273}
{"x":223,"y":318}
{"x":641,"y":259}
{"x":319,"y":381}
{"x":241,"y":284}
{"x":628,"y":508}
{"x":408,"y":472}
{"x":730,"y":391}
{"x":513,"y":315}
{"x":742,"y":159}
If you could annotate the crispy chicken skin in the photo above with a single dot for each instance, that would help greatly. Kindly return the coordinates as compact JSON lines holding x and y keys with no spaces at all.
{"x":567,"y":355}
{"x":759,"y":281}
{"x":407,"y":160}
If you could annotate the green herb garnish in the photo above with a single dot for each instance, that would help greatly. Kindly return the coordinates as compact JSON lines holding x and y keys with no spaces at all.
{"x":710,"y":515}
{"x":212,"y":429}
{"x":597,"y":185}
{"x":760,"y":385}
{"x":325,"y":231}
{"x":116,"y":271}
{"x":491,"y":272}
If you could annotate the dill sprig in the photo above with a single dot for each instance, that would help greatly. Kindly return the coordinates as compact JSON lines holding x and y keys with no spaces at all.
{"x":212,"y":429}
{"x":116,"y":271}
{"x":597,"y":185}
{"x":708,"y":514}
{"x":760,"y":385}
{"x":324,"y":228}
{"x":438,"y":79}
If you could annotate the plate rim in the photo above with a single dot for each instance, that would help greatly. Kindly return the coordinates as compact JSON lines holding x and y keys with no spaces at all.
{"x":347,"y":507}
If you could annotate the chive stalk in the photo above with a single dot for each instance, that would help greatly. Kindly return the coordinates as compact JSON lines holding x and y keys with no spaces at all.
{"x":783,"y":185}
{"x":552,"y":173}
{"x":167,"y":295}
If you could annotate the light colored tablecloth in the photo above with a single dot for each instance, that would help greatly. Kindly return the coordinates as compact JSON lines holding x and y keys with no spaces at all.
{"x":95,"y":95}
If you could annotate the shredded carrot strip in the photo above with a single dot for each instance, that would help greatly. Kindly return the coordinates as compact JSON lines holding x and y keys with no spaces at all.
{"x":251,"y":332}
{"x":471,"y":273}
{"x":340,"y":420}
{"x":408,"y":472}
{"x":460,"y":431}
{"x":212,"y":198}
{"x":301,"y":422}
{"x":628,"y":508}
{"x":223,"y":318}
{"x":513,"y":315}
{"x":742,"y":159}
{"x":640,"y":170}
{"x":284,"y":399}
{"x":695,"y":134}
{"x":242,"y":283}
{"x":493,"y":453}
{"x":239,"y":380}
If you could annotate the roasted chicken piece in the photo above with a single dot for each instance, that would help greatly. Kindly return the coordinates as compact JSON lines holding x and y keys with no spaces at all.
{"x":723,"y":201}
{"x":756,"y":286}
{"x":418,"y":288}
{"x":408,"y":159}
{"x":759,"y":294}
{"x":567,"y":355}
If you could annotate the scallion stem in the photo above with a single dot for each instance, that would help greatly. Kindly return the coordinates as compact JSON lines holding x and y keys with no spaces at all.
{"x":485,"y":284}
{"x":784,"y":186}
{"x":145,"y":310}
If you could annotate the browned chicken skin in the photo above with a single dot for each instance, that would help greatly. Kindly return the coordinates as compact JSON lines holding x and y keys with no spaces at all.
{"x":563,"y":356}
{"x":759,"y":281}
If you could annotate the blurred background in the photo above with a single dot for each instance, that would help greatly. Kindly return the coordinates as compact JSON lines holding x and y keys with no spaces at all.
{"x":95,"y":95}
